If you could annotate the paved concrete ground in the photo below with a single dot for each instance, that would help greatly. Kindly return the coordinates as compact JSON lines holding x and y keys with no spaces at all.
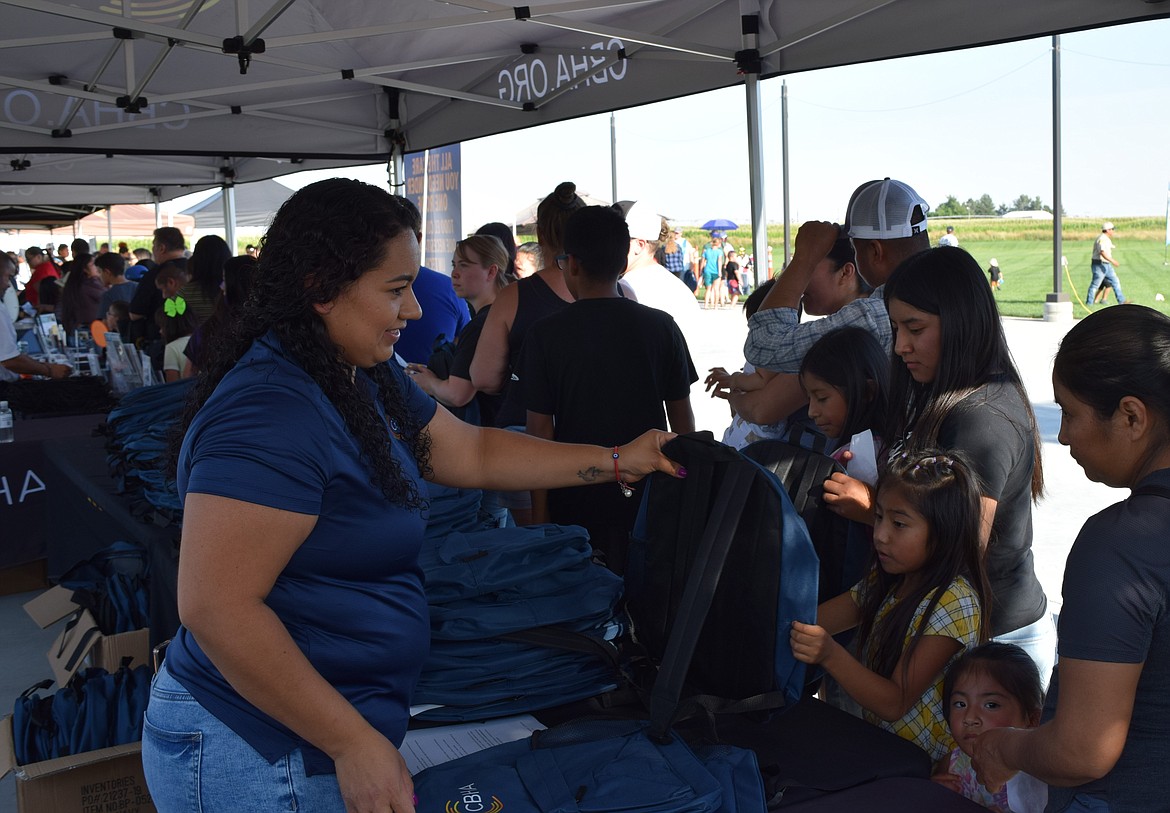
{"x":1070,"y":497}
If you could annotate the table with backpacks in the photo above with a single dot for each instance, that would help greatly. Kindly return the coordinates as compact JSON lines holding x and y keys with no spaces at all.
{"x":707,"y":709}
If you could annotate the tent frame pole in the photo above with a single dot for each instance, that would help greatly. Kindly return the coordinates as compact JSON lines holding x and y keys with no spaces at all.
{"x":755,"y":135}
{"x":229,"y":217}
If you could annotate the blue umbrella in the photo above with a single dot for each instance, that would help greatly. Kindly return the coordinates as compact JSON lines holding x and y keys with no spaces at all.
{"x":721,"y":224}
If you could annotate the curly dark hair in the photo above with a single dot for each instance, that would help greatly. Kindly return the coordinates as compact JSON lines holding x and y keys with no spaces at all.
{"x":321,"y":241}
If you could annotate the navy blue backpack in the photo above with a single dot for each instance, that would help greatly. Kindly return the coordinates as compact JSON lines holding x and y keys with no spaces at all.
{"x":721,"y":564}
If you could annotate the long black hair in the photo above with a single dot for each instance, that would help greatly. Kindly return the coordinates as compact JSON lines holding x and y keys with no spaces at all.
{"x":851,"y":360}
{"x":949,"y":283}
{"x":321,"y":241}
{"x":205,"y":268}
{"x":73,"y":300}
{"x":946,"y":492}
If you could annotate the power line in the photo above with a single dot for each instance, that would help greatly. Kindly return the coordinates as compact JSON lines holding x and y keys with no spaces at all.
{"x":942,"y":100}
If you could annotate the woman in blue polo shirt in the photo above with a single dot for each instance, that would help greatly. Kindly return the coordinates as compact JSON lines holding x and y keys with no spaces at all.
{"x":302,"y":470}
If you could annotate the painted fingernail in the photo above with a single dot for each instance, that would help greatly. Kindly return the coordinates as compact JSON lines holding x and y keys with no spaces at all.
{"x":682,"y":472}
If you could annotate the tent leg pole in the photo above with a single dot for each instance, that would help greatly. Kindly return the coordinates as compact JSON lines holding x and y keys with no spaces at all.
{"x":1057,"y":305}
{"x":755,"y":134}
{"x":784,"y":169}
{"x":229,"y":218}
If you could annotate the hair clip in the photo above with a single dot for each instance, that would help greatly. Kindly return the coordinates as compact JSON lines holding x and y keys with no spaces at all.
{"x":175,"y":306}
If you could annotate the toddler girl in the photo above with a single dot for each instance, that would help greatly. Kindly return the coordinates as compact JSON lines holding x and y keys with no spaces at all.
{"x":991,"y":686}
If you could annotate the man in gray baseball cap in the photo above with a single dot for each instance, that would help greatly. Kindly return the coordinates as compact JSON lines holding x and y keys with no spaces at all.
{"x":886,"y":222}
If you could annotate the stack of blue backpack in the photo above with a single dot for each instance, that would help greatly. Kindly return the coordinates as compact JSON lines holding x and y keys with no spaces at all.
{"x":521,"y":618}
{"x":139,"y":430}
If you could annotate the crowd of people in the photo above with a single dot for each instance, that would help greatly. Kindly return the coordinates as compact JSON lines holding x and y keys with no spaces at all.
{"x":162,"y":300}
{"x":336,"y":376}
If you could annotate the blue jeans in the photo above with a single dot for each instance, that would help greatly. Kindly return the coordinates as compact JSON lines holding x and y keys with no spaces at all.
{"x":196,"y":764}
{"x":1039,"y":641}
{"x":1103,"y":272}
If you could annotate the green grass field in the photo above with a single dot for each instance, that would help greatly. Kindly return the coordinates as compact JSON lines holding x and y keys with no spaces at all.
{"x":1024,"y":251}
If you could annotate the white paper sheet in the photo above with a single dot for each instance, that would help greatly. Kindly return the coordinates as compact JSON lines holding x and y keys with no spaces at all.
{"x":1027,"y":794}
{"x":863,"y":465}
{"x":425,"y":747}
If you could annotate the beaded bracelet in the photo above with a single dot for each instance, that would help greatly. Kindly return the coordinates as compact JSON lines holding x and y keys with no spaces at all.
{"x":627,"y":489}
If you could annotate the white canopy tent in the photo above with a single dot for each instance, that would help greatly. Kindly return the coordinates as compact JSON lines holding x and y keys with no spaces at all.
{"x":178,"y":95}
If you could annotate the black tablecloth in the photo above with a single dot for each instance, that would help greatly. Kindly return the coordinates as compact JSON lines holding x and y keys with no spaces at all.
{"x":24,"y":493}
{"x":88,"y":513}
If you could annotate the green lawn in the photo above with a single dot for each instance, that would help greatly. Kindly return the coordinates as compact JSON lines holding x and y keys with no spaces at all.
{"x":1027,"y":270}
{"x":1024,"y":251}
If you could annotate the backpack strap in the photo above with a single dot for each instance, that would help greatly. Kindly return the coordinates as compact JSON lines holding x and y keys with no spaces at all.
{"x":561,"y":638}
{"x":706,"y":570}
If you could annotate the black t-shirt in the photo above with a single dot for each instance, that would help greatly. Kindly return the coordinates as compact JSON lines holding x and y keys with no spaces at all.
{"x":489,"y":405}
{"x":603,"y":369}
{"x":1117,"y":610}
{"x":991,"y":430}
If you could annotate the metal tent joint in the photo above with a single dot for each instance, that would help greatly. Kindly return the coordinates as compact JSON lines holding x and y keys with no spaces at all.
{"x":749,"y":61}
{"x":243,"y":50}
{"x":131,"y":105}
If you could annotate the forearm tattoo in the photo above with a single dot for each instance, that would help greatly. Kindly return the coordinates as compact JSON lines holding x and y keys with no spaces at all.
{"x":590,"y":475}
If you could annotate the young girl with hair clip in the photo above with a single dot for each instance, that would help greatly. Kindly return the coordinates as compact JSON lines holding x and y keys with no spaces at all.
{"x":176,"y":324}
{"x":954,"y":386}
{"x":918,"y":607}
{"x":991,"y":686}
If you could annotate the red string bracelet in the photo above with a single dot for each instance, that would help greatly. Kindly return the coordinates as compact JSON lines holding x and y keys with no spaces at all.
{"x":627,"y":489}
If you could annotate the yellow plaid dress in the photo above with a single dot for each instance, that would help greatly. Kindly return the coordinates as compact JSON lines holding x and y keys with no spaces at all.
{"x":957,"y":615}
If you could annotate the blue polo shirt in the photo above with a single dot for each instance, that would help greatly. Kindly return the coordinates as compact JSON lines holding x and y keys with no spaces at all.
{"x":351,"y":596}
{"x":442,"y":312}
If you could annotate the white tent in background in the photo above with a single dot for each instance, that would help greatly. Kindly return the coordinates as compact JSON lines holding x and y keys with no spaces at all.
{"x":256,"y":203}
{"x":524,"y":221}
{"x":128,"y":220}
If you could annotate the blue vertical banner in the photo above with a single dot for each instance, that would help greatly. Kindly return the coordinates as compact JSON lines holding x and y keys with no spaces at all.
{"x":434,"y":184}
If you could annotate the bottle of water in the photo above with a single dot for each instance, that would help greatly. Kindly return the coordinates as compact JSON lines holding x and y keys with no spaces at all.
{"x":6,"y":431}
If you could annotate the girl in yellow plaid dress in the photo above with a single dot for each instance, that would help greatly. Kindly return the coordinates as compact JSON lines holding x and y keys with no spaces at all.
{"x":918,"y":608}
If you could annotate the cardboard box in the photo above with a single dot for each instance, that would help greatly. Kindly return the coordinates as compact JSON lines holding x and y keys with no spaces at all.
{"x":23,"y":578}
{"x":80,"y":642}
{"x":109,"y":779}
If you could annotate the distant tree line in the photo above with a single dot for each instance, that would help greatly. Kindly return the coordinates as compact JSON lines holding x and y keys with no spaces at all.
{"x":986,"y":207}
